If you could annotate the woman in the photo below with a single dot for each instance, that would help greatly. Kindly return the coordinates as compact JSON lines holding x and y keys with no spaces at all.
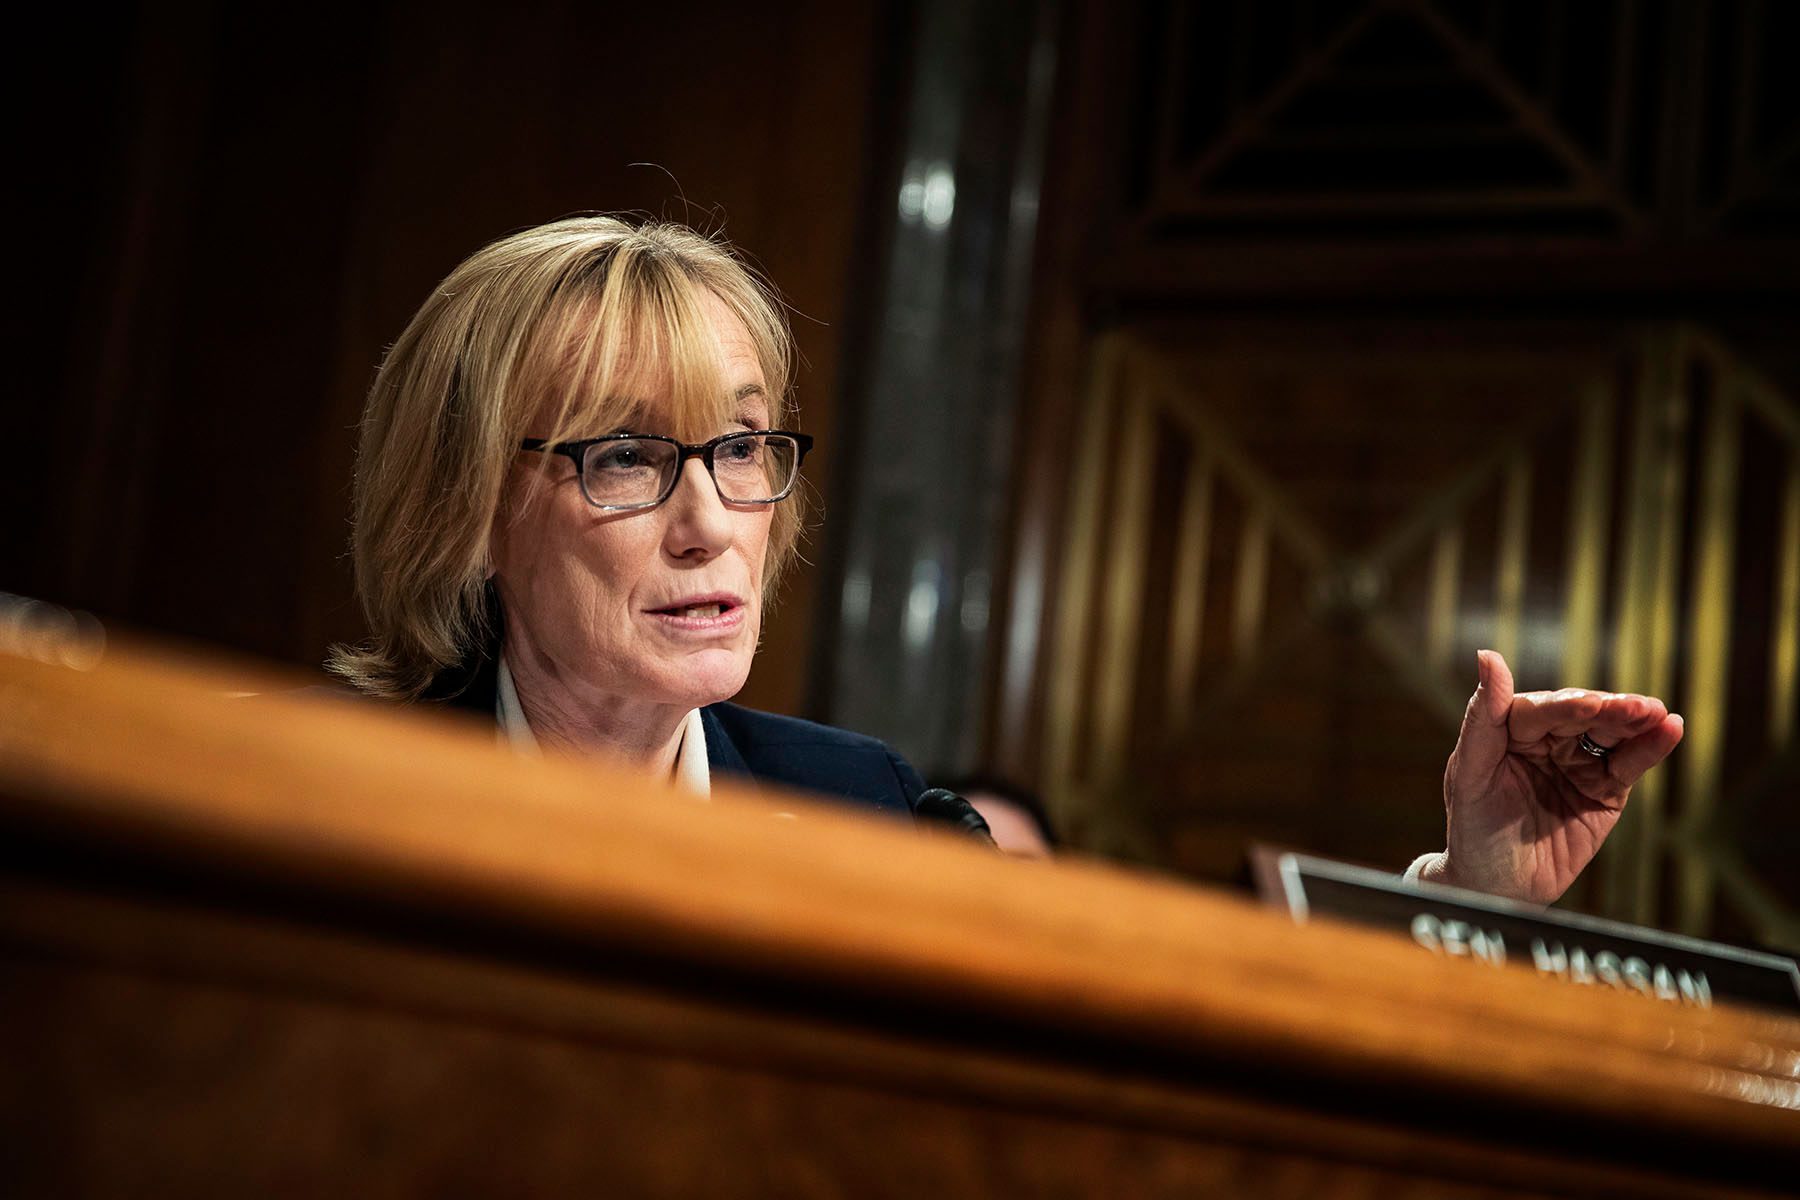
{"x":575,"y":494}
{"x":576,"y":491}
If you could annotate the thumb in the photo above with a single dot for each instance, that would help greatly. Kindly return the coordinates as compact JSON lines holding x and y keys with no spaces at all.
{"x":1482,"y":744}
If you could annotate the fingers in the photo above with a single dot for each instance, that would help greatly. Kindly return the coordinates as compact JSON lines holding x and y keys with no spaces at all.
{"x":1623,"y":718}
{"x":1498,"y":678}
{"x":1628,"y":762}
{"x":1483,"y":742}
{"x":1609,"y":718}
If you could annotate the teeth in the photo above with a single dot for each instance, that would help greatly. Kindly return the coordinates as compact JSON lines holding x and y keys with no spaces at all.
{"x":703,"y":610}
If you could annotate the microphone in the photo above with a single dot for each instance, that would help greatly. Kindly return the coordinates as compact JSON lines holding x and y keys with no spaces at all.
{"x":945,"y":807}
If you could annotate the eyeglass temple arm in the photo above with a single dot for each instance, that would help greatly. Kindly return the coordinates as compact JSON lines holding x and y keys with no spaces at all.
{"x":568,"y":451}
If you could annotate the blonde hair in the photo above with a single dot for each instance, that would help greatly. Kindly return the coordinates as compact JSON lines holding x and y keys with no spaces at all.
{"x":527,"y":338}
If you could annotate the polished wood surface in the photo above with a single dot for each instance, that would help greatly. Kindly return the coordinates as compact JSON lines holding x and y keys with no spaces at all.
{"x":448,"y":958}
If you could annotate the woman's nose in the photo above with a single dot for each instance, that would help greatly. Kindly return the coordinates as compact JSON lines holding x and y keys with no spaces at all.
{"x":699,"y":522}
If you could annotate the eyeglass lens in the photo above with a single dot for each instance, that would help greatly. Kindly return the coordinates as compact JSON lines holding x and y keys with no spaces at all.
{"x":749,"y":469}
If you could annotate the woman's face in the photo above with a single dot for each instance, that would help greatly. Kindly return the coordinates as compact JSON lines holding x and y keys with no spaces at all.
{"x":662,"y":606}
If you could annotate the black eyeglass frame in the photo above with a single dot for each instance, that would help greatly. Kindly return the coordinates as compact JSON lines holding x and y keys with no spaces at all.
{"x":576,"y":452}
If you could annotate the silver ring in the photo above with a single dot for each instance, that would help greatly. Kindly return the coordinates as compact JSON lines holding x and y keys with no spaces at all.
{"x":1592,"y":747}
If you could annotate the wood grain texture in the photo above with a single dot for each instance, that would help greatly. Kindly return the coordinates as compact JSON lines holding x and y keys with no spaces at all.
{"x":1084,"y":1000}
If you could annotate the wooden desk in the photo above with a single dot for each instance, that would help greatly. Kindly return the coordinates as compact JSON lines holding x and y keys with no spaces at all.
{"x":298,"y":946}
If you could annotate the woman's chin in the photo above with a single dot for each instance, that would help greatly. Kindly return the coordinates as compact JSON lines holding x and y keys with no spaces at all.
{"x":707,"y":678}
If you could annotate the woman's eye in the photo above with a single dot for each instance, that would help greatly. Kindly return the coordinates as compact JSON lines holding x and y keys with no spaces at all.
{"x":617,"y":458}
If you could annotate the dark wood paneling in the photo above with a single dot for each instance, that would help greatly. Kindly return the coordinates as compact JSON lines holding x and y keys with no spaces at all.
{"x":264,"y":196}
{"x":1424,"y":188}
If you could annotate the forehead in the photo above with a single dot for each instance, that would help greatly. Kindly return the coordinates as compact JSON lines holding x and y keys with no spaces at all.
{"x":687,"y":369}
{"x":654,"y":410}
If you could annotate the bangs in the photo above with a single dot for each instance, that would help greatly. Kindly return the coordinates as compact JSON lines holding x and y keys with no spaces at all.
{"x":638,"y":350}
{"x":570,"y":330}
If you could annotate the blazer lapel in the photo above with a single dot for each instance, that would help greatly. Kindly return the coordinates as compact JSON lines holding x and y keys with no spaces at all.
{"x":722,"y":754}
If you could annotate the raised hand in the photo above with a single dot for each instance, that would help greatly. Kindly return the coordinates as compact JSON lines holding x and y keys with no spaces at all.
{"x":1526,"y":804}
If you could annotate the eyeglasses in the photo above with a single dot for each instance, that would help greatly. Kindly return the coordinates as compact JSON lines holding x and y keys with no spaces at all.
{"x":624,"y":472}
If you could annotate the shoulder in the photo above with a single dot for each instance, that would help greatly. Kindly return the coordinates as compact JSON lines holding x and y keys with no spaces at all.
{"x":772,"y":730}
{"x":850,"y":767}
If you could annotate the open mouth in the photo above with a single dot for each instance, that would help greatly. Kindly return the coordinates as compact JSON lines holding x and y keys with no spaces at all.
{"x":712,"y":608}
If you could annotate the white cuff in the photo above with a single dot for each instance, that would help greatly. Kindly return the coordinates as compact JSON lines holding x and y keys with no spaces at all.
{"x":1411,"y":874}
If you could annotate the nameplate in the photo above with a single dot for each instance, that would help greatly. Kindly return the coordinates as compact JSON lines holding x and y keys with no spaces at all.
{"x":1572,"y":947}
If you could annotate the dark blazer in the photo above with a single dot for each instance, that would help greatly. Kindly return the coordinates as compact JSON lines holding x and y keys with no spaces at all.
{"x":847,"y":768}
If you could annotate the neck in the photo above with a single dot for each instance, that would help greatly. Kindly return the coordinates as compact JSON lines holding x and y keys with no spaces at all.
{"x":567,"y":715}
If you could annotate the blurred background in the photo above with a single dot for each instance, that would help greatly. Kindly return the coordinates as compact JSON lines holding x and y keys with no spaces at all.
{"x":1198,"y":385}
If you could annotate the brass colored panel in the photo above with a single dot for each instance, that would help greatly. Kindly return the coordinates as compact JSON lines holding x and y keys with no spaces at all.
{"x":1127,"y":562}
{"x":1252,"y":584}
{"x":1187,"y":612}
{"x":1702,"y":758}
{"x":1441,"y":695}
{"x":1589,"y":518}
{"x":1232,"y":465}
{"x":1618,"y":855}
{"x":1759,"y":396}
{"x":1772,"y":922}
{"x":1663,"y":617}
{"x":1758,"y":393}
{"x":1076,"y":588}
{"x":1449,"y":504}
{"x":1510,"y":556}
{"x":1446,"y":573}
{"x":1644,"y":628}
{"x":1785,"y":644}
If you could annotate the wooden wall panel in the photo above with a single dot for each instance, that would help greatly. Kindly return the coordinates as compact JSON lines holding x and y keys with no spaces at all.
{"x":1521,"y":247}
{"x":264,"y":197}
